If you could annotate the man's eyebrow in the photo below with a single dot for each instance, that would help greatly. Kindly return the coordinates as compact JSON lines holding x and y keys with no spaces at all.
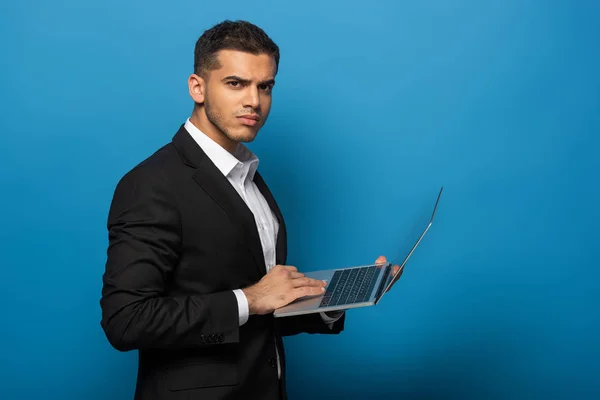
{"x":248,"y":81}
{"x":270,"y":82}
{"x":237,"y":78}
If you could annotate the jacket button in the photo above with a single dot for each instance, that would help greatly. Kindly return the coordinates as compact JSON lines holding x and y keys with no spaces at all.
{"x":273,"y":362}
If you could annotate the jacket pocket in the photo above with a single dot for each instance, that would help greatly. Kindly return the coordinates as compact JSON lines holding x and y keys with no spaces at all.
{"x":201,"y":375}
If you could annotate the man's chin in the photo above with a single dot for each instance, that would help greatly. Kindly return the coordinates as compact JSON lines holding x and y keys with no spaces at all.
{"x":244,"y":137}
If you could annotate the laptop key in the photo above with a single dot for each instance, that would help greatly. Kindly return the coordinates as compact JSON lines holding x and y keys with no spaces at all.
{"x":360,"y":276}
{"x":364,"y":292}
{"x":350,"y":286}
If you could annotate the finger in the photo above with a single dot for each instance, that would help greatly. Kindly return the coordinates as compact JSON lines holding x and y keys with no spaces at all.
{"x":300,"y":282}
{"x":397,"y":273}
{"x":308,"y":282}
{"x":308,"y":291}
{"x":381,"y":260}
{"x":290,"y":268}
{"x":296,"y":275}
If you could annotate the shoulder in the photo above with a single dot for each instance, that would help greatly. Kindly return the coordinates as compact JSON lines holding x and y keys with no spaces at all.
{"x":156,"y":168}
{"x":152,"y":176}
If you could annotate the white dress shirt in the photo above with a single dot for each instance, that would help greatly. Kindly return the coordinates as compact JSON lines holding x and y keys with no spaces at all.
{"x":239,"y":169}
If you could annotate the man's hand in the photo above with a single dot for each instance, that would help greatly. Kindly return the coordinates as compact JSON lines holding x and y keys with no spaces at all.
{"x":282,"y":285}
{"x":395,"y":268}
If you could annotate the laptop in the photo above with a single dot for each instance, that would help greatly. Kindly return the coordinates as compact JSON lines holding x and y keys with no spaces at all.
{"x":352,"y":287}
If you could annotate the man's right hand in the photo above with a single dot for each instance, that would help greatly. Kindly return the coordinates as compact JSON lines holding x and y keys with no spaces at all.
{"x":282,"y":285}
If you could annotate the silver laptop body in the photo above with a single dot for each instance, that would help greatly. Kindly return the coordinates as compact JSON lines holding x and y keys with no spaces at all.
{"x":351,"y":287}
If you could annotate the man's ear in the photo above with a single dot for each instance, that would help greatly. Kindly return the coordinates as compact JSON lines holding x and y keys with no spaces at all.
{"x":197,"y":88}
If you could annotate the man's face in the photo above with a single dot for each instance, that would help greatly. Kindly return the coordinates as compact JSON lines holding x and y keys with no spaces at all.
{"x":237,"y":96}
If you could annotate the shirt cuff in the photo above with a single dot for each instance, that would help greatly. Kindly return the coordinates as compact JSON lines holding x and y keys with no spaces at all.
{"x":243,"y":310}
{"x":331,"y":317}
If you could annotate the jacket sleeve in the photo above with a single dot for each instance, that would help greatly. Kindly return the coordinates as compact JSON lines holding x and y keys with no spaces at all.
{"x":144,"y":232}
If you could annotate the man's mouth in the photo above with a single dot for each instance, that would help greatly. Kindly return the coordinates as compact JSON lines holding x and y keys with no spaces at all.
{"x":249,"y":119}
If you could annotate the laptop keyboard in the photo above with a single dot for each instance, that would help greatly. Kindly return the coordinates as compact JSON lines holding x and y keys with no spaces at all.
{"x":350,"y":286}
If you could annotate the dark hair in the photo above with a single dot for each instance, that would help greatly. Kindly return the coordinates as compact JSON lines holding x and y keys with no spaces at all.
{"x":231,"y":35}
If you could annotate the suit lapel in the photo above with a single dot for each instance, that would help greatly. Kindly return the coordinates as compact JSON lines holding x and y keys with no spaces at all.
{"x":208,"y":176}
{"x":281,"y":246}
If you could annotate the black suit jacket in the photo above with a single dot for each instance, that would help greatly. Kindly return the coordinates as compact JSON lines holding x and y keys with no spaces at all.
{"x":180,"y":240}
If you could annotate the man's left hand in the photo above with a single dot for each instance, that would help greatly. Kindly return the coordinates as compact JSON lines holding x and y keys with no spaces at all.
{"x":395,"y":268}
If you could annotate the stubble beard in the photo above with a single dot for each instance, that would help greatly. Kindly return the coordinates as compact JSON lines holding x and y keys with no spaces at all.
{"x":216,"y":118}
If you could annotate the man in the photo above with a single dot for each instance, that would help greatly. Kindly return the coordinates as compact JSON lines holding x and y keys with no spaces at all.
{"x":197,"y":244}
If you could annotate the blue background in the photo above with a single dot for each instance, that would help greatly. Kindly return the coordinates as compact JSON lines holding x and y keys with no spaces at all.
{"x":377,"y":104}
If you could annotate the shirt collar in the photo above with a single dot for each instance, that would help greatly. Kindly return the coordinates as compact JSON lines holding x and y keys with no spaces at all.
{"x":243,"y":159}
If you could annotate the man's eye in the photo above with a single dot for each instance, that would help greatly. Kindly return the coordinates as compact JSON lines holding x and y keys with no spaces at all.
{"x":266,"y":88}
{"x":233,"y":84}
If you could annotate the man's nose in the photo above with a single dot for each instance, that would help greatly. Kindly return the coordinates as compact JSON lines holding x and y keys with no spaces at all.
{"x":251,"y":99}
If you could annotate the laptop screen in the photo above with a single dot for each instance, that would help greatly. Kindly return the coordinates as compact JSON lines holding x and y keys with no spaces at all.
{"x":416,"y":234}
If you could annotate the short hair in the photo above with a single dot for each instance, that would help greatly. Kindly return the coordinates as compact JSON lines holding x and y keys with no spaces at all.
{"x":231,"y":35}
